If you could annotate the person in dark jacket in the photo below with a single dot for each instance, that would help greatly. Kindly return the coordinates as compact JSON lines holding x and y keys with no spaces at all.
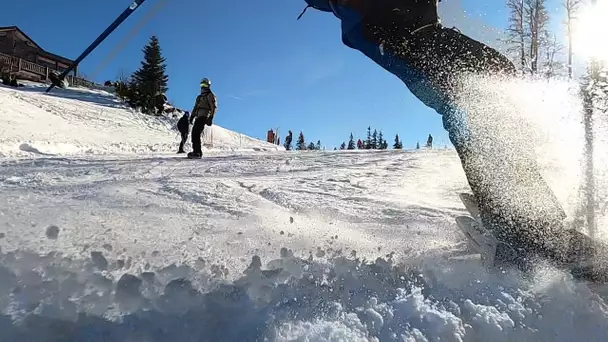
{"x":202,"y":114}
{"x":288,"y":140}
{"x":405,"y":38}
{"x":183,"y":126}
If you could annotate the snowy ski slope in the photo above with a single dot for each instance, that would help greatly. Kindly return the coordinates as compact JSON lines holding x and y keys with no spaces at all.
{"x":81,"y":121}
{"x":245,"y":245}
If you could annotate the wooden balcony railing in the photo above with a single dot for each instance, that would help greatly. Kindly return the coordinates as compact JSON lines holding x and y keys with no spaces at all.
{"x":17,"y":65}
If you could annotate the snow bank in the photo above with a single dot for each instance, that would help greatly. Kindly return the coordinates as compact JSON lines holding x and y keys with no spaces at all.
{"x":79,"y":121}
{"x":55,"y":298}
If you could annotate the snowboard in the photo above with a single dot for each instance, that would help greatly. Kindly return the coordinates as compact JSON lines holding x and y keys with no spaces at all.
{"x":478,"y":240}
{"x":189,"y":156}
{"x":494,"y":253}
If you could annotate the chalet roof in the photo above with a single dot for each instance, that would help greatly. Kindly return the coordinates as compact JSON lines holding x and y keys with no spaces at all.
{"x":43,"y":51}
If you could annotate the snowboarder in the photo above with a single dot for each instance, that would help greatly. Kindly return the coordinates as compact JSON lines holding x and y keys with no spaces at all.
{"x":202,"y":114}
{"x":515,"y":203}
{"x":183,"y":126}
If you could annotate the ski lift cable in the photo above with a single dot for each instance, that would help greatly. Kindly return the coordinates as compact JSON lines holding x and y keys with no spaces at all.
{"x":142,"y":23}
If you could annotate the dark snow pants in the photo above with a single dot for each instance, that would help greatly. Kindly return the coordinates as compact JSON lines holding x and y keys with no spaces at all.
{"x":184,"y":135}
{"x":197,"y":131}
{"x":515,"y":201}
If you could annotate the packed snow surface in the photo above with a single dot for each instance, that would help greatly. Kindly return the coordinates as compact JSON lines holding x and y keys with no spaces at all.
{"x":246,"y":245}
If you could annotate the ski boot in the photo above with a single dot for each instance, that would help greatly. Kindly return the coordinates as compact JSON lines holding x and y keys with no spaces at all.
{"x":192,"y":155}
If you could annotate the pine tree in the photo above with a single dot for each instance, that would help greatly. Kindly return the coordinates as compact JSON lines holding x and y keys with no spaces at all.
{"x":312,"y":146}
{"x":418,"y":145}
{"x":134,"y":98}
{"x":301,"y":144}
{"x":351,"y":142}
{"x":368,"y":142}
{"x":380,"y":140}
{"x":151,"y":78}
{"x":343,"y":146}
{"x":384,"y":145}
{"x":374,"y":140}
{"x":318,"y":147}
{"x":397,"y":145}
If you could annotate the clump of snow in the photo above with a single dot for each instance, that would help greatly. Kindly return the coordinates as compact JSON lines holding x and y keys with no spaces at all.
{"x":53,"y":297}
{"x":52,"y":232}
{"x":78,"y":121}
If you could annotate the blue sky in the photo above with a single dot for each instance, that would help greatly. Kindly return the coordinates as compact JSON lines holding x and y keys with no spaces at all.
{"x":268,"y":70}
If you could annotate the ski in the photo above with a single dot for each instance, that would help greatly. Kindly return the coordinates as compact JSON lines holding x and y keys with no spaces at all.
{"x":495,"y":253}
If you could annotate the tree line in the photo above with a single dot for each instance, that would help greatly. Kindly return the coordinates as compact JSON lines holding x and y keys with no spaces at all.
{"x":535,"y":48}
{"x":539,"y":52}
{"x":374,"y":141}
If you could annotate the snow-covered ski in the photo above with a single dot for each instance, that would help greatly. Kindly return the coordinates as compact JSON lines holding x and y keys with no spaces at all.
{"x":494,"y":252}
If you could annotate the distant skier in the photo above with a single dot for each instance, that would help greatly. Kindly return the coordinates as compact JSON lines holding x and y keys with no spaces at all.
{"x":202,"y":114}
{"x":288,"y":140}
{"x":405,"y":38}
{"x":183,"y":126}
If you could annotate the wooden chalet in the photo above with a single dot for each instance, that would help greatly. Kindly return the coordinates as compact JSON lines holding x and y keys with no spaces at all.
{"x":27,"y":59}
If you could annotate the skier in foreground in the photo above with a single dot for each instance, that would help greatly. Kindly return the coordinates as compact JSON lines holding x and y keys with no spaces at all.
{"x":515,"y":203}
{"x":202,"y":114}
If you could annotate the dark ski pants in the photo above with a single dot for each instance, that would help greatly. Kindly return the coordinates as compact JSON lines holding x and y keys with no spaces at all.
{"x":515,"y":201}
{"x":197,"y":130}
{"x":183,"y":142}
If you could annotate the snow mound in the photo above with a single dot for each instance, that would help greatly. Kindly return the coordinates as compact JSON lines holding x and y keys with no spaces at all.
{"x":54,"y":298}
{"x":79,"y":121}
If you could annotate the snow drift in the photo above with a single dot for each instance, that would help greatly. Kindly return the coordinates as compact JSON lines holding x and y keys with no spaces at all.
{"x":82,"y":121}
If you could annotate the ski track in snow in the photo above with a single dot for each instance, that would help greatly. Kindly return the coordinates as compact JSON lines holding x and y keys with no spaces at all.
{"x":245,"y":245}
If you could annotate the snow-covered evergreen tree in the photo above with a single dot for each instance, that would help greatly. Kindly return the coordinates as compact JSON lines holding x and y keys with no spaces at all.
{"x":151,"y":78}
{"x":398,"y":144}
{"x":301,"y":144}
{"x":351,"y":142}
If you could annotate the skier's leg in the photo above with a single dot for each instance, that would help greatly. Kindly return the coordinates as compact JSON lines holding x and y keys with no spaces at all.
{"x":197,"y":130}
{"x":514,"y":199}
{"x":183,"y":142}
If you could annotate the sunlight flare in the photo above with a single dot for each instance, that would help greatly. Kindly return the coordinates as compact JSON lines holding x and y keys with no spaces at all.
{"x":590,"y":31}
